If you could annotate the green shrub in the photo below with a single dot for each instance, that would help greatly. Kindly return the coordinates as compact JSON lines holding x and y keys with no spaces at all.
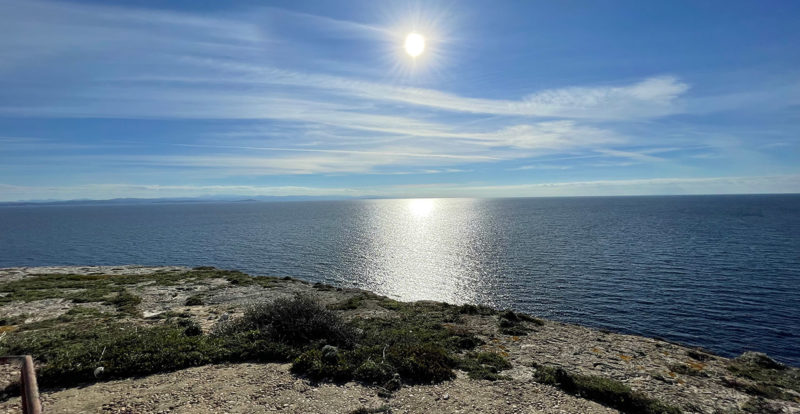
{"x":418,"y":343}
{"x":512,"y":323}
{"x":126,"y":302}
{"x":353,"y":302}
{"x":194,"y":300}
{"x":476,"y":310}
{"x":71,"y":353}
{"x":316,"y":368}
{"x":602,"y":390}
{"x":323,"y":287}
{"x":191,"y":328}
{"x":415,"y":344}
{"x":371,"y":372}
{"x":252,"y":346}
{"x":421,"y":363}
{"x":484,"y":365}
{"x":297,"y":321}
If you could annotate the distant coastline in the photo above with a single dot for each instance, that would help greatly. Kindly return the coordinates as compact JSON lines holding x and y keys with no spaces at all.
{"x":250,"y":199}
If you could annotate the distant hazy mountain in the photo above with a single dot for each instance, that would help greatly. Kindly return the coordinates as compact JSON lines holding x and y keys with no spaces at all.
{"x":134,"y":201}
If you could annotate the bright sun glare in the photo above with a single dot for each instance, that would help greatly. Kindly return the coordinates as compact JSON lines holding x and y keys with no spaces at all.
{"x":421,"y":208}
{"x":415,"y":44}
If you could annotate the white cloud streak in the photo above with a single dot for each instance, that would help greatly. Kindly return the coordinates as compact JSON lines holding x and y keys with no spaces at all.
{"x":654,"y":186}
{"x":69,"y":60}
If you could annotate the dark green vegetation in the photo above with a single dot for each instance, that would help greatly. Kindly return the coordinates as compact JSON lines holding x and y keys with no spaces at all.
{"x":484,"y":365}
{"x":761,"y":376}
{"x":111,"y":289}
{"x":419,"y":343}
{"x":602,"y":390}
{"x":77,"y":288}
{"x":298,"y":321}
{"x":194,"y":300}
{"x":353,"y":302}
{"x":511,"y":323}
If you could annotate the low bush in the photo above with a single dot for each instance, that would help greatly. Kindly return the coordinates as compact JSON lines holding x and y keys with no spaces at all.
{"x":416,"y":344}
{"x":315,"y":367}
{"x":126,"y":302}
{"x":374,"y":372}
{"x":513,"y":323}
{"x":71,"y":353}
{"x":295,"y":321}
{"x":484,"y":365}
{"x":476,"y":310}
{"x":194,"y":300}
{"x":419,"y":343}
{"x":422,"y":363}
{"x":351,"y":303}
{"x":602,"y":390}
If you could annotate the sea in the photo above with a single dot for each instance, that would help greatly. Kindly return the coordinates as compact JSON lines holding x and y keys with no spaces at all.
{"x":717,"y":272}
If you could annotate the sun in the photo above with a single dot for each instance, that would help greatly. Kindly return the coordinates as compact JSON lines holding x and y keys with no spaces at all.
{"x":415,"y":44}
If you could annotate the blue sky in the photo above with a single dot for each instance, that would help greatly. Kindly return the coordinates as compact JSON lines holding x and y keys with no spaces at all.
{"x":182,"y":99}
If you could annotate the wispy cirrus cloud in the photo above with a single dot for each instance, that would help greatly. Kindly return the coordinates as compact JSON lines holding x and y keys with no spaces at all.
{"x":652,"y":97}
{"x":247,"y":94}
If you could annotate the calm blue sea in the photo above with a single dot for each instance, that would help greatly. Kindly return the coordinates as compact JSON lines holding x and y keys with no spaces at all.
{"x":721,"y":272}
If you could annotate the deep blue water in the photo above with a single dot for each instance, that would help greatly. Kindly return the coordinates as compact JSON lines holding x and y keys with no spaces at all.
{"x":721,"y":272}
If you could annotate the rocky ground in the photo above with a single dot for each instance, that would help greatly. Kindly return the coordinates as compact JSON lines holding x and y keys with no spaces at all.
{"x":692,"y":380}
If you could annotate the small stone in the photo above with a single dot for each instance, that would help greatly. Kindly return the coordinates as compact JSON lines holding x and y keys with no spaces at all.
{"x":446,"y":396}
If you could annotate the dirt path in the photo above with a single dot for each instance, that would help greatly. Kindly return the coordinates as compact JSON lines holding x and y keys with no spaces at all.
{"x":260,"y":388}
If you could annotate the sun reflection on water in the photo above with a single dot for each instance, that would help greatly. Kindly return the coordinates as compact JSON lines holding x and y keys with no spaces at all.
{"x":421,"y":207}
{"x":427,"y":249}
